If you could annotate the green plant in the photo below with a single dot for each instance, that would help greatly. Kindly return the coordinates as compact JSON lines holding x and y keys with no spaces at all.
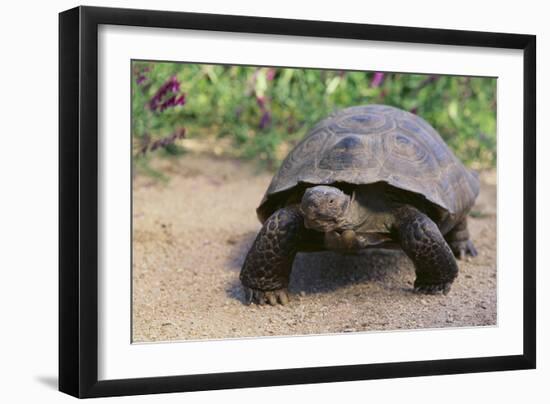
{"x":264,"y":111}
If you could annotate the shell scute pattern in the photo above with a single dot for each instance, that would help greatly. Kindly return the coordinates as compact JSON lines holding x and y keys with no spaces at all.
{"x":302,"y":159}
{"x":367,"y":144}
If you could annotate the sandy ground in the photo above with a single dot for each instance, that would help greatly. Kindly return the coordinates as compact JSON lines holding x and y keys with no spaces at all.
{"x":190,"y":237}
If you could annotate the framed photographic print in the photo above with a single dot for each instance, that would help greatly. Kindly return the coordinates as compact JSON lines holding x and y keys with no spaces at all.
{"x":251,"y":201}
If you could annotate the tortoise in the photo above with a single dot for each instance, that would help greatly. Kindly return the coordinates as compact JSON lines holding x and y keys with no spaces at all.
{"x":371,"y":176}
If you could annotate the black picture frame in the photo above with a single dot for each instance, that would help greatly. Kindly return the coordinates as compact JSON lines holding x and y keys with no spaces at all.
{"x":78,"y":201}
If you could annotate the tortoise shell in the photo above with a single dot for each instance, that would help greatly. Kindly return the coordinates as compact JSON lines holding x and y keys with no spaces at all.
{"x":375,"y":143}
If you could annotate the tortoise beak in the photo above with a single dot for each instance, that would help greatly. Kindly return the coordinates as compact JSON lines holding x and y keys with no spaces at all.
{"x":319,"y":226}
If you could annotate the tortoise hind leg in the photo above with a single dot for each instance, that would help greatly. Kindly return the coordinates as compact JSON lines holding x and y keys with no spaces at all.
{"x":459,"y":240}
{"x":422,"y":241}
{"x":266,"y":270}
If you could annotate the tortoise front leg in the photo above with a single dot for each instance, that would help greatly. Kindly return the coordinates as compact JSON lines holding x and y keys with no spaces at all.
{"x":266,"y":270}
{"x":422,"y":241}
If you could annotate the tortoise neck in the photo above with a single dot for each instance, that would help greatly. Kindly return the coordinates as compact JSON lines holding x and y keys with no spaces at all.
{"x":354,"y":216}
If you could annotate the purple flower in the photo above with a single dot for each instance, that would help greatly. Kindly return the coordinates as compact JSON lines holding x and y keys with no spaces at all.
{"x":162,"y":142}
{"x":180,"y":100}
{"x":139,"y":73}
{"x":266,"y":116}
{"x":265,"y":120}
{"x":159,"y":100}
{"x":172,"y":102}
{"x":377,"y":79}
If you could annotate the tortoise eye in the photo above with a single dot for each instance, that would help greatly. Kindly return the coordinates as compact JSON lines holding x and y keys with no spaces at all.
{"x":331,"y":201}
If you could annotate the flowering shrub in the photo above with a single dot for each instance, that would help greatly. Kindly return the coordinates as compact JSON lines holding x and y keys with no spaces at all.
{"x":265,"y":111}
{"x":151,"y":113}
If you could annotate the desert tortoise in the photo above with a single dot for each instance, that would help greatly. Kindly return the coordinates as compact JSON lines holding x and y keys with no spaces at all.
{"x":366,"y":176}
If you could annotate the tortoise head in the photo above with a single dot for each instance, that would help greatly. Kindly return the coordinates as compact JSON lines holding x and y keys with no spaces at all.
{"x":325,"y":208}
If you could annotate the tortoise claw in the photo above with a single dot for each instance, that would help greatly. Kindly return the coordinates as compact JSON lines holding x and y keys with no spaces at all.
{"x":260,"y":297}
{"x":471,"y":249}
{"x":282,"y":296}
{"x":248,"y":295}
{"x":271,"y":298}
{"x":463,"y":249}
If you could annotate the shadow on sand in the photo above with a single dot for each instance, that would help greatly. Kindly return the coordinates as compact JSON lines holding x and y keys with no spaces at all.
{"x":324,"y":272}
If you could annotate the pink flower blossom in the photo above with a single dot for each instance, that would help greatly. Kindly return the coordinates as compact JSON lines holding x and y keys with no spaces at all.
{"x":270,"y":75}
{"x":377,"y":79}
